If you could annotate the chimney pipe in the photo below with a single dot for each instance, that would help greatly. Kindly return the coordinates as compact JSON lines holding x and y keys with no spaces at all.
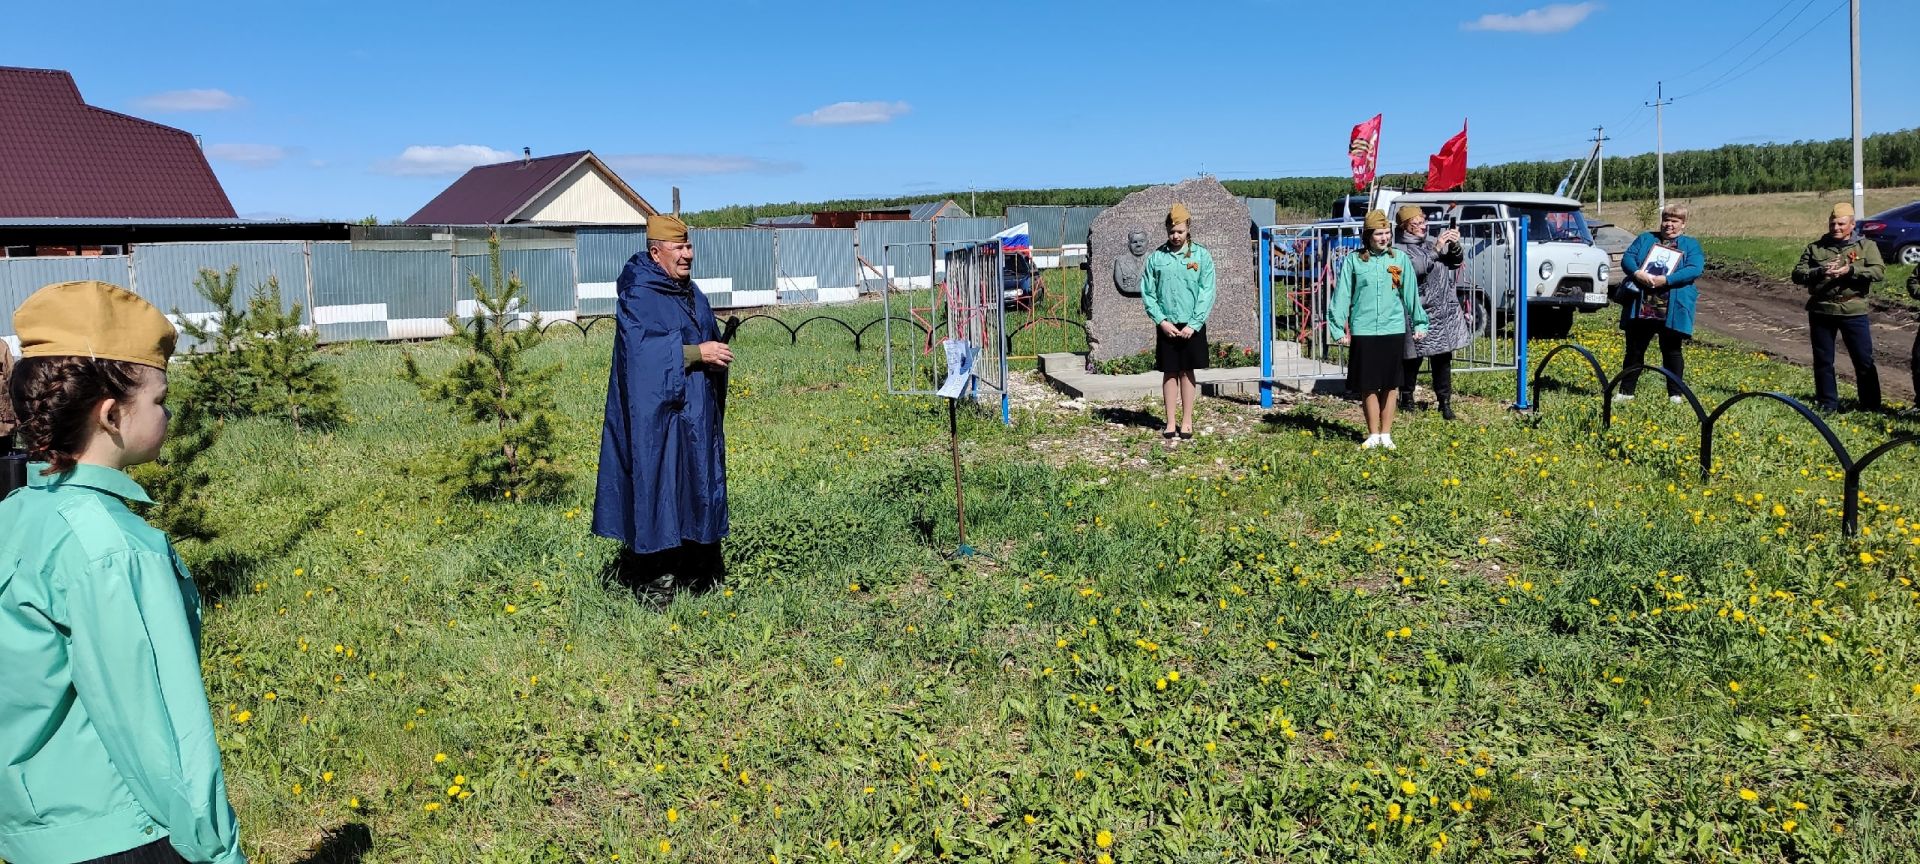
{"x":526,"y":156}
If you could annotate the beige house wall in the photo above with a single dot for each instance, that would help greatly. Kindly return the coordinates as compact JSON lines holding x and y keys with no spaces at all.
{"x":584,"y":195}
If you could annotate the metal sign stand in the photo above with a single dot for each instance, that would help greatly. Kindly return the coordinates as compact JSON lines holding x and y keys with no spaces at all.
{"x":976,"y":343}
{"x":959,"y":494}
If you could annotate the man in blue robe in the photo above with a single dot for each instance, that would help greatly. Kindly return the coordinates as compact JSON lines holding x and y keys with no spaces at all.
{"x":662,"y":487}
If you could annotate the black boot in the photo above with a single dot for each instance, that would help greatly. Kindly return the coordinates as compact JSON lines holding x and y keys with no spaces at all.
{"x":1406,"y":400}
{"x":1445,"y":401}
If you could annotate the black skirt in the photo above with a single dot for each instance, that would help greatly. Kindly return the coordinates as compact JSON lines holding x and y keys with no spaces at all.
{"x":1175,"y":354}
{"x":1374,"y":363}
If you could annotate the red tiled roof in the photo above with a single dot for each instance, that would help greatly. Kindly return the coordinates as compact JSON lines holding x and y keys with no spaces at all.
{"x":492,"y":194}
{"x":63,"y":157}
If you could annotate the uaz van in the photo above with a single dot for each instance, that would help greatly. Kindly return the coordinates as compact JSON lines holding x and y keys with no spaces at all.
{"x":1566,"y":272}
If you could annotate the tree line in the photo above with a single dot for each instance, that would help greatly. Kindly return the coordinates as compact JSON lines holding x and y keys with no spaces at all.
{"x":1892,"y":159}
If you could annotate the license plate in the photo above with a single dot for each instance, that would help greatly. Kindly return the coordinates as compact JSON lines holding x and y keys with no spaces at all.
{"x":1596,"y":298}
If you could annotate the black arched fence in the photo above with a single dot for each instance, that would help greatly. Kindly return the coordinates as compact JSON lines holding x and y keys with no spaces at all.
{"x":1850,"y":468}
{"x":735,"y":322}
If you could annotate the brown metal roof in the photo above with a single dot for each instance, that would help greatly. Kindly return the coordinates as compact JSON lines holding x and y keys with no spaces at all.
{"x":493,"y":194}
{"x":63,"y":157}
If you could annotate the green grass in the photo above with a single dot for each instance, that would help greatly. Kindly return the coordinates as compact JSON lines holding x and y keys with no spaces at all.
{"x":1520,"y":636}
{"x":1774,"y":258}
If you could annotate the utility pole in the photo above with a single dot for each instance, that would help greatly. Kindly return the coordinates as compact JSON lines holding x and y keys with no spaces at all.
{"x":1659,"y":137}
{"x":1600,"y":169}
{"x":1859,"y":178}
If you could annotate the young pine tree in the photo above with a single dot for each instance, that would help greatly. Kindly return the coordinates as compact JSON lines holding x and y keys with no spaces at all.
{"x":218,"y":376}
{"x":176,"y":481}
{"x":495,"y":386}
{"x":283,"y":362}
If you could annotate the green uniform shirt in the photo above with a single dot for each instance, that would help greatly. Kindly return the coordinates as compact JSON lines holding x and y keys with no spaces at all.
{"x":1845,"y":294}
{"x":1365,"y":301}
{"x":106,"y":740}
{"x":1178,"y":286}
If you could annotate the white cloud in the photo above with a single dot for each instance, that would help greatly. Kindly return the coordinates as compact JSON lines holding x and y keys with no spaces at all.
{"x":189,"y":100}
{"x":696,"y":164}
{"x":423,"y":160}
{"x":250,"y":155}
{"x":1555,"y":18}
{"x":853,"y":114}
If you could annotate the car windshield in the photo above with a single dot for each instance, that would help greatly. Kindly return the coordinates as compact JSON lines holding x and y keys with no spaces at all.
{"x":1555,"y":226}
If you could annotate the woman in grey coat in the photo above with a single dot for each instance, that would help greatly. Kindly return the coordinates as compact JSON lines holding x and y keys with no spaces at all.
{"x":1433,"y":261}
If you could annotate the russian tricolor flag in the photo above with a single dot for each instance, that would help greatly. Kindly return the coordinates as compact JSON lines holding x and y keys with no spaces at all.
{"x":1015,"y":239}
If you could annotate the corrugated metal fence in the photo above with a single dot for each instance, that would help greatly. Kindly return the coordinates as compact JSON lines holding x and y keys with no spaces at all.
{"x":401,"y":282}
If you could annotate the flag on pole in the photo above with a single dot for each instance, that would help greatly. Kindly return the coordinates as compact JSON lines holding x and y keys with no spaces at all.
{"x":1447,"y":169}
{"x":1363,"y":150}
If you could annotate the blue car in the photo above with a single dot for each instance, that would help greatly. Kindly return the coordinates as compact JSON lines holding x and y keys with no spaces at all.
{"x":1020,"y":281}
{"x":1896,"y":232}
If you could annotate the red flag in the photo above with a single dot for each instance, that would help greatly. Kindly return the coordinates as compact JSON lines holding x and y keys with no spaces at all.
{"x":1447,"y":169}
{"x":1363,"y":150}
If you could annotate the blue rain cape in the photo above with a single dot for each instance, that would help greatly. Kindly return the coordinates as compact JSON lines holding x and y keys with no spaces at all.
{"x":663,"y":448}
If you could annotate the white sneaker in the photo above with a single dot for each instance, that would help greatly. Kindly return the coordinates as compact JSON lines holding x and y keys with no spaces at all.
{"x":1623,"y":397}
{"x":1677,"y":399}
{"x":1387,"y":442}
{"x":1371,"y":442}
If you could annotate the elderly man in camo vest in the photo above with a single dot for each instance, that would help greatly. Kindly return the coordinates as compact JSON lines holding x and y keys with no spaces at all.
{"x":1838,"y":271}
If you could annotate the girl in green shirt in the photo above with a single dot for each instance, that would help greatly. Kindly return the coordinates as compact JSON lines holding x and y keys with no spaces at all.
{"x":1376,"y":300}
{"x":1178,"y":289}
{"x":107,"y":749}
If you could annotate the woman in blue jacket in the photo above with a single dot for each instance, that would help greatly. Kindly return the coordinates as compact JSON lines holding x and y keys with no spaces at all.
{"x":1658,"y":296}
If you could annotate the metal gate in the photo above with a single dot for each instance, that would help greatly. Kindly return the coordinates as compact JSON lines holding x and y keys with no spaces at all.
{"x":967,"y":301}
{"x":1298,"y":266}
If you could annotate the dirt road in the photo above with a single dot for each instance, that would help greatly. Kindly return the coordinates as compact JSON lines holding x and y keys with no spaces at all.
{"x":1771,"y":315}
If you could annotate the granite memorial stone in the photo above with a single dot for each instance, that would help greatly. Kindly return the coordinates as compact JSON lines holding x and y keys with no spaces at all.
{"x":1117,"y":325}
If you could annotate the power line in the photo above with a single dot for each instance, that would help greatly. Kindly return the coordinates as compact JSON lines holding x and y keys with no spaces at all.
{"x":1736,"y":43}
{"x":1717,"y":83}
{"x":1730,"y":70}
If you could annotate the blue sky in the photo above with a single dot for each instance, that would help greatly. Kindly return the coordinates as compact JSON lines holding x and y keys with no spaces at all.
{"x":343,"y":109}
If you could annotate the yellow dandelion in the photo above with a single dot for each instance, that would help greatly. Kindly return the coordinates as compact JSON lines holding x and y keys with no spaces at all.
{"x":243,"y":717}
{"x":1104,"y":839}
{"x":1408,"y":787}
{"x":673,"y":815}
{"x":665,"y":847}
{"x":1749,"y":795}
{"x":439,"y":757}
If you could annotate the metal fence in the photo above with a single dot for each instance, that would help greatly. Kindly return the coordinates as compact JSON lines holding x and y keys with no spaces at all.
{"x":403,"y":281}
{"x":1059,"y":233}
{"x":1300,"y":263}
